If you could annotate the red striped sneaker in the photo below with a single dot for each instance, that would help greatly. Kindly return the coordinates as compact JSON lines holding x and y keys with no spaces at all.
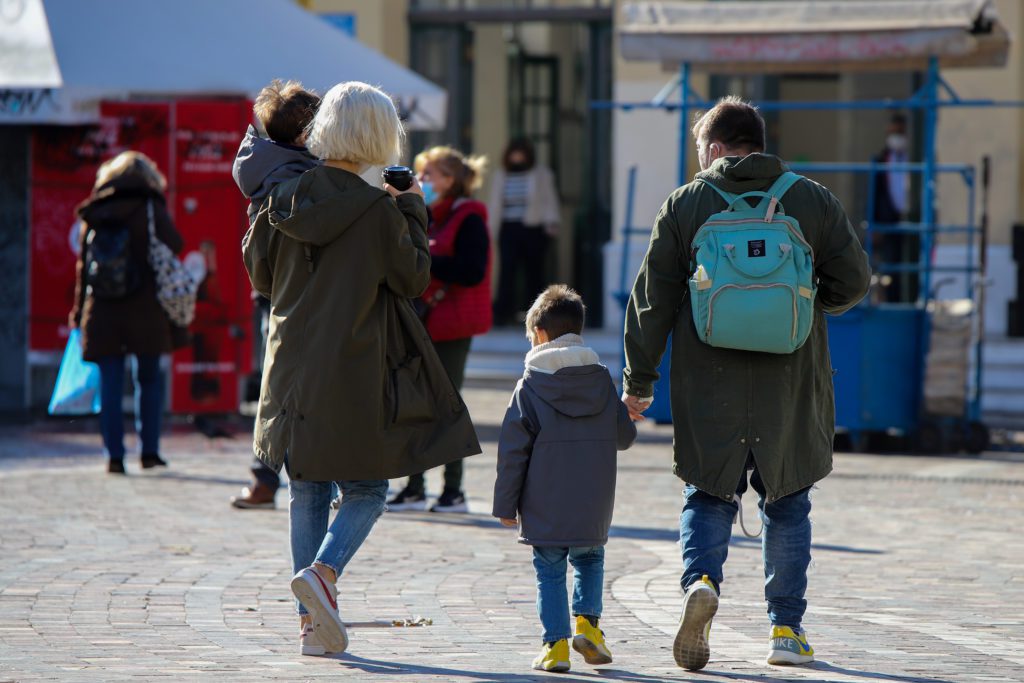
{"x":321,"y":599}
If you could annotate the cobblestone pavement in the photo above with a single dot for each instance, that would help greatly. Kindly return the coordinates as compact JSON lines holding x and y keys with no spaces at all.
{"x":918,"y":574}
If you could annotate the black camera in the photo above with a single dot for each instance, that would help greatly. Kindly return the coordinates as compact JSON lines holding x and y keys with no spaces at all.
{"x":398,"y":177}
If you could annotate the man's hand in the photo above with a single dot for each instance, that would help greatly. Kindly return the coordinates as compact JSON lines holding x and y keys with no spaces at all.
{"x":636,"y":406}
{"x":509,"y":522}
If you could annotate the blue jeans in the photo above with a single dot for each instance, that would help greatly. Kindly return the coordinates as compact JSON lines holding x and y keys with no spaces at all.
{"x":552,"y":599}
{"x":149,"y":403}
{"x":705,"y":528}
{"x":309,"y":508}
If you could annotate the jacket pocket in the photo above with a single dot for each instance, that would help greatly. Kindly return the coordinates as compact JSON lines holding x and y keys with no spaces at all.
{"x":407,"y":397}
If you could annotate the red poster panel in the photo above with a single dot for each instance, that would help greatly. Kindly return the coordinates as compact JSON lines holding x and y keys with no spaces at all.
{"x":64,"y":164}
{"x":210,"y":214}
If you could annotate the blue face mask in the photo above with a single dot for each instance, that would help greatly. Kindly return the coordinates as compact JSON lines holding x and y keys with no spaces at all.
{"x":429,"y":195}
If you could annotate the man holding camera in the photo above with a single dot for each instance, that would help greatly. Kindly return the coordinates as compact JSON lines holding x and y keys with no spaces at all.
{"x":735,"y":410}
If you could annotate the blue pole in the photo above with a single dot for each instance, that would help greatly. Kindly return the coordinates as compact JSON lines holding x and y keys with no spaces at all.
{"x":627,"y":236}
{"x":684,"y":117}
{"x":931,"y":122}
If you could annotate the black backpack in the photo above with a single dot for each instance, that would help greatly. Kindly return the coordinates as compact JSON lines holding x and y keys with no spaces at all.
{"x":110,"y":271}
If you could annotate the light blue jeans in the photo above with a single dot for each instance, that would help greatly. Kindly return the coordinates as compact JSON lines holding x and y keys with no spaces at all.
{"x":552,"y":597}
{"x":705,"y":528}
{"x":309,"y":509}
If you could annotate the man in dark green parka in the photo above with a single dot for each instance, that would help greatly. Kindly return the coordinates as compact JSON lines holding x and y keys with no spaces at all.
{"x":738,"y":410}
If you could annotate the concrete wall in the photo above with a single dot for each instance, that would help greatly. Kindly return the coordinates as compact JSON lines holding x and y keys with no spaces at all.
{"x":965,"y":135}
{"x":380,"y":24}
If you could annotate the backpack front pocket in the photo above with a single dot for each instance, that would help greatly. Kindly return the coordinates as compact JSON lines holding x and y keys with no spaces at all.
{"x":759,"y":317}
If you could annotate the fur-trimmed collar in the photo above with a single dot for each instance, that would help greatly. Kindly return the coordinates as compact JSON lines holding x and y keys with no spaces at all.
{"x":567,"y":351}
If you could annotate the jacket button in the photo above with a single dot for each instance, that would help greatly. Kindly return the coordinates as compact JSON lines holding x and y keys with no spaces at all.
{"x":757,"y":439}
{"x":743,"y":440}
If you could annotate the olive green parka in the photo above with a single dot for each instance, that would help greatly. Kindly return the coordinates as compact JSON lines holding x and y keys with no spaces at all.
{"x":727,"y":404}
{"x":352,"y":387}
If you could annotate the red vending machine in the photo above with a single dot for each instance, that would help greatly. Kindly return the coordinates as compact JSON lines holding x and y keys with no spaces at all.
{"x":207,"y":376}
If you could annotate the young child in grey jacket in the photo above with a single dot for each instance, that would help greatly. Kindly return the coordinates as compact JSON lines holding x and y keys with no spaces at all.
{"x":556,"y":473}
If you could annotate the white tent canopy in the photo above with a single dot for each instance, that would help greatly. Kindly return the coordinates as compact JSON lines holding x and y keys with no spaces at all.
{"x":814,"y":35}
{"x":26,"y":53}
{"x":118,"y":49}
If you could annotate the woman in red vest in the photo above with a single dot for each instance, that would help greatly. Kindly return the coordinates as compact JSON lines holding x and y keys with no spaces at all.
{"x":457,"y":304}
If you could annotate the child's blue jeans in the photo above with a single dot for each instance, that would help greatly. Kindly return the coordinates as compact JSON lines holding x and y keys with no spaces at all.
{"x":552,"y":598}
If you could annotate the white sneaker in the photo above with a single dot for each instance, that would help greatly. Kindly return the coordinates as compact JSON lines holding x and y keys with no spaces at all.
{"x":309,"y":644}
{"x":321,"y":599}
{"x":691,"y":649}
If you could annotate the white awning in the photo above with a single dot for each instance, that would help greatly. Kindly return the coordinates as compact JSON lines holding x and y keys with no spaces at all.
{"x":119,"y":49}
{"x":26,"y":52}
{"x":814,"y":35}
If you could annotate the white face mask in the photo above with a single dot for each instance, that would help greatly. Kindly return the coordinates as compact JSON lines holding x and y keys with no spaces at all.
{"x":896,"y":142}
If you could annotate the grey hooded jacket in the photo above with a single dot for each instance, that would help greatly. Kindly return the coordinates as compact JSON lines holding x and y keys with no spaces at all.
{"x":557,"y":451}
{"x":261,"y":164}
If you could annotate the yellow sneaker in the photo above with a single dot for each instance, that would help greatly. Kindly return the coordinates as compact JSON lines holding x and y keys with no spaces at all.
{"x":554,"y":657}
{"x":589,"y":642}
{"x":789,"y":647}
{"x":690,"y":649}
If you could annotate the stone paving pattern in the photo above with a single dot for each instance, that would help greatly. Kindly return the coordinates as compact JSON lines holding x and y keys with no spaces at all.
{"x":917,"y":574}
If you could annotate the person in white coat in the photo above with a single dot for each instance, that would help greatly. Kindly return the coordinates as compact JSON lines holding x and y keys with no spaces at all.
{"x":524,"y":210}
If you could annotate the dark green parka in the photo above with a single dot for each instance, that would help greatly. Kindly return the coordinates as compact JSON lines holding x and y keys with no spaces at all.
{"x":352,"y":387}
{"x":727,"y":403}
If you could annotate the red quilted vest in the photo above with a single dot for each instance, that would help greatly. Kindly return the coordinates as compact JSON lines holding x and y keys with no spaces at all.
{"x":463,"y":311}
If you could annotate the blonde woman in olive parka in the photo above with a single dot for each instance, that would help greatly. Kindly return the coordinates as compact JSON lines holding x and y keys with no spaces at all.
{"x":353,"y":393}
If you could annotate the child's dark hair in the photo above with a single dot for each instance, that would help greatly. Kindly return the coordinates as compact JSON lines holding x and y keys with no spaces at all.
{"x":558,"y":310}
{"x":285,"y":109}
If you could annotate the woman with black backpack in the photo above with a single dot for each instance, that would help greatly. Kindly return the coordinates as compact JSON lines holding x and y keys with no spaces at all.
{"x":116,"y":306}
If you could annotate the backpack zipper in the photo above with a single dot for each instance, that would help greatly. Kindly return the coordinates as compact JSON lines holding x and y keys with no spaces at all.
{"x":737,"y":221}
{"x":711,"y":304}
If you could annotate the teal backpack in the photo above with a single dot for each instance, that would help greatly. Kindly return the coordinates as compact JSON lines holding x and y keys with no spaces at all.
{"x":753,"y":284}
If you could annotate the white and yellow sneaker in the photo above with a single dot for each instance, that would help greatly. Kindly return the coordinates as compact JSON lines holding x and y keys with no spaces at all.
{"x":554,"y":657}
{"x":690,"y":649}
{"x":789,"y":647}
{"x":589,"y":642}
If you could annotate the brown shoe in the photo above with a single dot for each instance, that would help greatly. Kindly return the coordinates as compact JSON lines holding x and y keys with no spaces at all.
{"x":257,"y":497}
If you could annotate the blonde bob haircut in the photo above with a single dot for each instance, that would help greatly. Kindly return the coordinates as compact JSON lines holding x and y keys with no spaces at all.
{"x":131,"y":164}
{"x":467,"y":173}
{"x":357,"y":123}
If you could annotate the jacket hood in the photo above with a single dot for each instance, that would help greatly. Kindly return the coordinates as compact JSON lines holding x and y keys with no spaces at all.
{"x":568,"y":376}
{"x":260,"y":164}
{"x":744,"y":174}
{"x":117,"y":200}
{"x":318,"y":207}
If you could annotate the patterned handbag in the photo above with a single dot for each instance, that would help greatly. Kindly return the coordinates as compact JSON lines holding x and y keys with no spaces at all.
{"x":175,"y":287}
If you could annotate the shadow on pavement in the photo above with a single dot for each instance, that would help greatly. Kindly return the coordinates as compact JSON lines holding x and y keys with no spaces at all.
{"x":831,"y":668}
{"x":398,"y":669}
{"x":631,"y":532}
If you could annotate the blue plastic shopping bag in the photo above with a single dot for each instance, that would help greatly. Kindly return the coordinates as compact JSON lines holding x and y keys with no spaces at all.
{"x":77,"y":391}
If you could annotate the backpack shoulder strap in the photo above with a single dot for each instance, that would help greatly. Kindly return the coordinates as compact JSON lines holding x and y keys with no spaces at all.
{"x":783,"y":183}
{"x":729,"y":197}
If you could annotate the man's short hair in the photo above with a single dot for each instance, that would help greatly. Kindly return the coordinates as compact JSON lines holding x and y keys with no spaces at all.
{"x":734,"y":123}
{"x":558,"y":310}
{"x":285,"y":109}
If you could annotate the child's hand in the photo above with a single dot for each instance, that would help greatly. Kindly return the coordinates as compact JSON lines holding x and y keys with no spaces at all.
{"x":509,"y":522}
